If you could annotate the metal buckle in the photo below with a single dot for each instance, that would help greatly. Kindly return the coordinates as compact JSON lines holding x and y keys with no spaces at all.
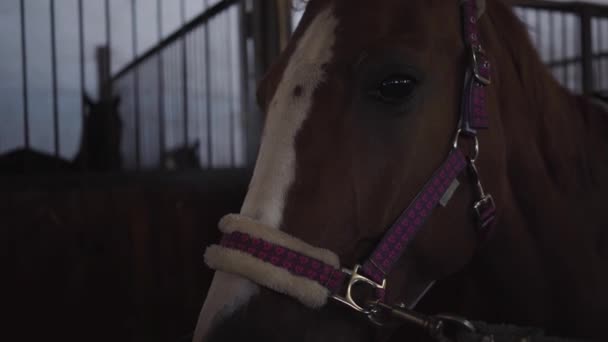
{"x":485,"y":209}
{"x":432,"y":325}
{"x":461,"y":133}
{"x":485,"y":206}
{"x":485,"y":202}
{"x":355,"y":278}
{"x":478,"y":57}
{"x":435,"y":326}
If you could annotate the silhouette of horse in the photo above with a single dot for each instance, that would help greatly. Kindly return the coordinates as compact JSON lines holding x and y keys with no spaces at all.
{"x":387,"y":129}
{"x":99,"y":146}
{"x":183,"y":158}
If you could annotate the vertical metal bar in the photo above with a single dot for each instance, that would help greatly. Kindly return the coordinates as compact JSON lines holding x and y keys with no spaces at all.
{"x":106,"y":93}
{"x":596,"y":50}
{"x":83,"y":148}
{"x":108,"y":24}
{"x":136,"y":85}
{"x":54,"y":77}
{"x":538,"y":30}
{"x":586,"y":51}
{"x":246,"y":111}
{"x":26,"y":113}
{"x":601,"y":50}
{"x":208,"y":95}
{"x":172,"y":99}
{"x":184,"y":40}
{"x":161,"y":86}
{"x":230,"y":88}
{"x":176,"y":74}
{"x":565,"y":53}
{"x":552,"y":33}
{"x":196,"y":72}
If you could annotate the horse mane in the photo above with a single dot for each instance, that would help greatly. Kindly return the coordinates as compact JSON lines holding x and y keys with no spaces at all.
{"x":563,"y":127}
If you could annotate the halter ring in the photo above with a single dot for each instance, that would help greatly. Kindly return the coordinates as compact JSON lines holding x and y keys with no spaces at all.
{"x":479,"y":60}
{"x":461,"y":133}
{"x":355,"y":278}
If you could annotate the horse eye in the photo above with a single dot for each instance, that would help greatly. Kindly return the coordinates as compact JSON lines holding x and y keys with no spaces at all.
{"x":395,"y":89}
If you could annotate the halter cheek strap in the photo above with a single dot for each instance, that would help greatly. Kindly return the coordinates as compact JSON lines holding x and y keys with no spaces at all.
{"x":288,"y":265}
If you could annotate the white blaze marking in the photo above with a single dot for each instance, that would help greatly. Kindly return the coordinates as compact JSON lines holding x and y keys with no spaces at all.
{"x":275,"y":167}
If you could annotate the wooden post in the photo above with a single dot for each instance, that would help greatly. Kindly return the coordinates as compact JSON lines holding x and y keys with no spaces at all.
{"x":104,"y":85}
{"x":284,"y":21}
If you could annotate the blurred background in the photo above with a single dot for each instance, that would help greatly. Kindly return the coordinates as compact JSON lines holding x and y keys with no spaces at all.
{"x":129,"y":127}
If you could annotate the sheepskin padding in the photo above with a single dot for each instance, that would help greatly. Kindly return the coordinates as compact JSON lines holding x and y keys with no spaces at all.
{"x":239,"y":223}
{"x":308,"y":292}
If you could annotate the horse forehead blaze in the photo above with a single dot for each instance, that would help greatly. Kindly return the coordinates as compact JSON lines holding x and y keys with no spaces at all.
{"x":274,"y":171}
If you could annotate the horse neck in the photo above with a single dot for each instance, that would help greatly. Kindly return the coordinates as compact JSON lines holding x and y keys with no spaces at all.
{"x":548,"y":174}
{"x":551,"y":137}
{"x":97,"y":150}
{"x":79,"y":160}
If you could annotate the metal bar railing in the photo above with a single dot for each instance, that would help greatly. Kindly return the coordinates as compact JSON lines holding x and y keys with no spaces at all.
{"x":565,"y":31}
{"x":136,"y":89}
{"x":108,"y":23}
{"x":175,"y":36}
{"x":231,"y":112}
{"x":586,"y":51}
{"x":602,"y":67}
{"x":54,"y":85}
{"x":573,"y":60}
{"x":566,"y":66}
{"x":184,"y":47}
{"x":571,"y":6}
{"x":24,"y":76}
{"x":208,"y":97}
{"x":161,"y":83}
{"x":195,"y":71}
{"x":83,"y":154}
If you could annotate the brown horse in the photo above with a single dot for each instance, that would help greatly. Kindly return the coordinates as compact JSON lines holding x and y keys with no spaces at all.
{"x":362,"y":107}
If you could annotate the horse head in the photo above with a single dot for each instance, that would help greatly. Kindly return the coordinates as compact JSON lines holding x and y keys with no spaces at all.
{"x":183,"y":157}
{"x":101,"y":135}
{"x":367,"y":132}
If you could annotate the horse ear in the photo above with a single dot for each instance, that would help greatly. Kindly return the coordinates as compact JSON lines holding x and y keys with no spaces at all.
{"x":481,"y":8}
{"x":116,"y":101}
{"x":86,"y":99}
{"x":196,"y":144}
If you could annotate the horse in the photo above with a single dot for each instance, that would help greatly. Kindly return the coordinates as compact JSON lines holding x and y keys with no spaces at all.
{"x":99,"y":149}
{"x":183,"y":157}
{"x":372,"y":101}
